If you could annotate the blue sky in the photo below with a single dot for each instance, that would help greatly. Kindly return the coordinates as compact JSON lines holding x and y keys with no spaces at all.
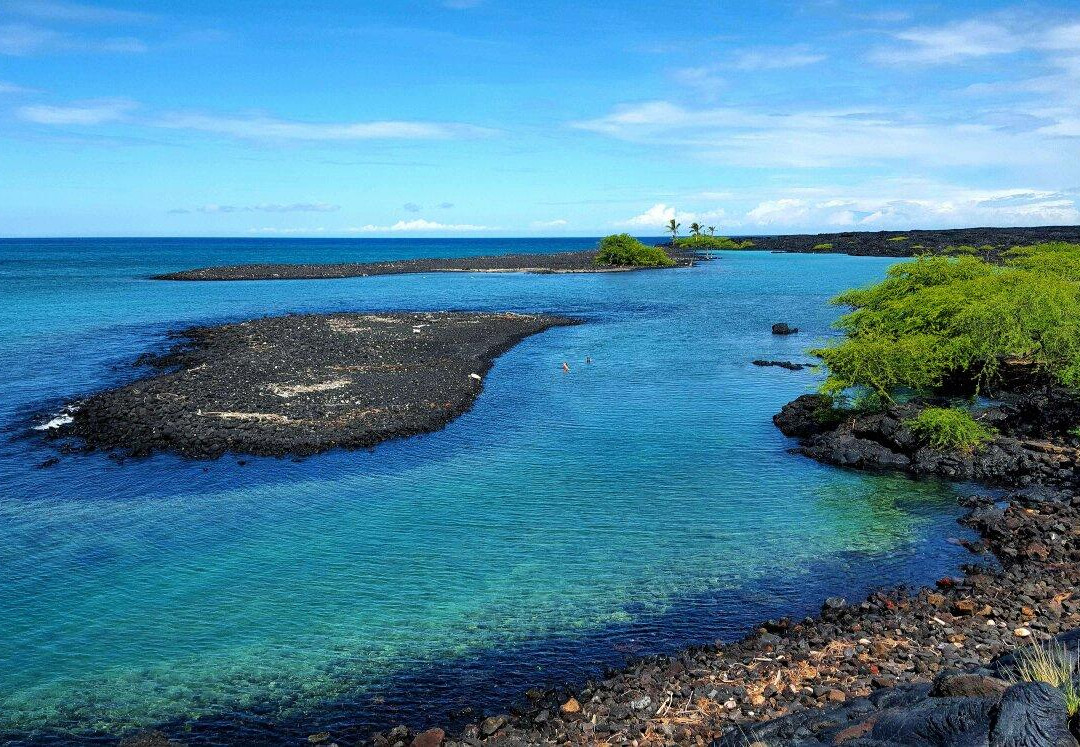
{"x":499,"y":118}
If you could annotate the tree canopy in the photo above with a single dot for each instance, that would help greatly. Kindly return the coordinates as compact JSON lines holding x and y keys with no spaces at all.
{"x":937,"y":319}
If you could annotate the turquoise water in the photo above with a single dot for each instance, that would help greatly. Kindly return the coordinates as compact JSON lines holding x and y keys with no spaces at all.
{"x":632,"y":506}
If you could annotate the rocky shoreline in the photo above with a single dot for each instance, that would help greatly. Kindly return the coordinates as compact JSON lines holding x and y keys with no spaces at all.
{"x":559,"y":262}
{"x":301,"y":384}
{"x":911,"y":243}
{"x":1034,"y":442}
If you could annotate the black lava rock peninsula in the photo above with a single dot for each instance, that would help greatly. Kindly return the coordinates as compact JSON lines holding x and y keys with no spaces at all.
{"x":301,"y":384}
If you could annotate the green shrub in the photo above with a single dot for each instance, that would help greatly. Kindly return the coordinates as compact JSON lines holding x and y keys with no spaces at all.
{"x":1053,"y":665}
{"x":823,"y":247}
{"x":939,"y":318}
{"x":623,"y":250}
{"x":950,"y":428}
{"x":897,"y":238}
{"x":711,"y":242}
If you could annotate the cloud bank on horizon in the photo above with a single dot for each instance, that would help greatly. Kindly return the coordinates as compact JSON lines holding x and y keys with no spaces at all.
{"x":483,"y":117}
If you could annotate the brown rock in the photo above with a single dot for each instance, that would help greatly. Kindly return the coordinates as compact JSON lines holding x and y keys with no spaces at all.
{"x":492,"y":724}
{"x":836,"y":696}
{"x":965,"y":607}
{"x":429,"y":738}
{"x":967,"y":685}
{"x":855,"y":732}
{"x":570,"y":707}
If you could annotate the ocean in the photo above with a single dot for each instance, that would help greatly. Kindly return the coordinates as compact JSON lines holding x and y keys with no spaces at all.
{"x":634,"y":505}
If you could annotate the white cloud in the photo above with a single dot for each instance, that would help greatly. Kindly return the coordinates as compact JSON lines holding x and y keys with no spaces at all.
{"x":657,"y":217}
{"x":254,"y":127}
{"x":831,"y":138}
{"x":977,"y":38}
{"x":786,"y":210}
{"x":271,"y":207}
{"x":775,"y":58}
{"x":11,"y":88}
{"x":956,"y":41}
{"x":20,"y":40}
{"x":270,"y":128}
{"x":913,"y":204}
{"x":419,"y":225}
{"x":75,"y":12}
{"x":85,"y":113}
{"x":272,"y":230}
{"x":557,"y":223}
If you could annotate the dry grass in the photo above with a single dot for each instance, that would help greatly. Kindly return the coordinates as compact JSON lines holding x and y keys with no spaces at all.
{"x":1054,"y":665}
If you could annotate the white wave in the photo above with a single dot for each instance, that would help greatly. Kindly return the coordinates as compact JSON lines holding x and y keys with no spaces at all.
{"x":63,"y":418}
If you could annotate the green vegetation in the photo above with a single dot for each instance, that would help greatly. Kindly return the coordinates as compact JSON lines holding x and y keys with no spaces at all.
{"x":986,"y":251}
{"x":673,"y":229}
{"x":696,"y":229}
{"x":897,"y":238}
{"x":950,"y":319}
{"x":822,"y":247}
{"x":711,"y":242}
{"x":623,"y":250}
{"x":950,"y":428}
{"x":1054,"y":666}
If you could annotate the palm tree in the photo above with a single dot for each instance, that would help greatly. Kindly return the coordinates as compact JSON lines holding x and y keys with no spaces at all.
{"x":674,"y":228}
{"x":712,"y":230}
{"x":695,"y":229}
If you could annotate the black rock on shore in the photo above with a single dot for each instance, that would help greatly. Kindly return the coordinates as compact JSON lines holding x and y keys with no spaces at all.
{"x":911,"y":243}
{"x":558,"y":262}
{"x":296,"y":385}
{"x":1033,"y":445}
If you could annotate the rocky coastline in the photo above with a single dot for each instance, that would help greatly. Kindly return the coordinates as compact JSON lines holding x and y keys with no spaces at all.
{"x":554,"y":263}
{"x":911,"y":243}
{"x":300,"y":384}
{"x":1034,"y":442}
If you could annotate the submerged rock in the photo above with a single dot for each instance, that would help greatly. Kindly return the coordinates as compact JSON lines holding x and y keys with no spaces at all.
{"x":782,"y":328}
{"x":781,"y":364}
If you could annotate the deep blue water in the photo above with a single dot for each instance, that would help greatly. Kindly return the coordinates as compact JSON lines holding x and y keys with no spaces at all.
{"x":635,"y":505}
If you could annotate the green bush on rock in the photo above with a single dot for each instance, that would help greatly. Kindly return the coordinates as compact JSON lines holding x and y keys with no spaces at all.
{"x":954,"y":319}
{"x":711,"y":242}
{"x":623,"y":250}
{"x":949,"y":428}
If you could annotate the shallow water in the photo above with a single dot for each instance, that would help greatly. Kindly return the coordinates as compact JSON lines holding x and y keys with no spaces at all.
{"x":634,"y":505}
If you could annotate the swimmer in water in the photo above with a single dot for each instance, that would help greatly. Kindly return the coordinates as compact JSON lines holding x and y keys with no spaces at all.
{"x":565,"y":368}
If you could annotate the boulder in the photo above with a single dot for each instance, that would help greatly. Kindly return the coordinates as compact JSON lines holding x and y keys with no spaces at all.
{"x":806,"y":415}
{"x":1031,"y":714}
{"x":782,"y":328}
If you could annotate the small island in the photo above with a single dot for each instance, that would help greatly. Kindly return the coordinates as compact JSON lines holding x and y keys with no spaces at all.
{"x":617,"y":253}
{"x":301,"y":384}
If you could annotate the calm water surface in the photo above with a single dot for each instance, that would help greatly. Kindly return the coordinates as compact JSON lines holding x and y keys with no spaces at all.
{"x":568,"y":521}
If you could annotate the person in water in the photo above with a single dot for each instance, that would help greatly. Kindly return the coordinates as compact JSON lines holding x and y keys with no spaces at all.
{"x":565,"y":368}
